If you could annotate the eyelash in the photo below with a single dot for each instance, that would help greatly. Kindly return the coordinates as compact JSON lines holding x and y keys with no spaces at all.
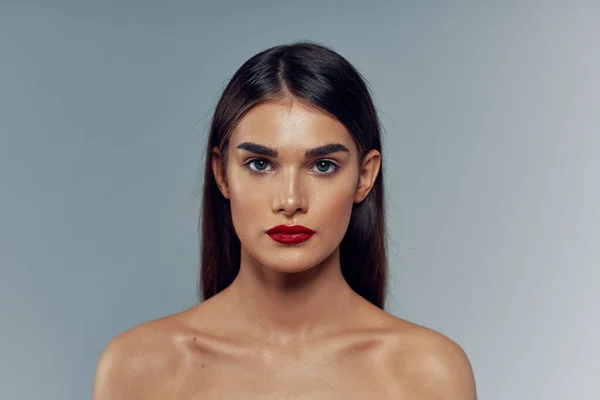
{"x":247,"y":165}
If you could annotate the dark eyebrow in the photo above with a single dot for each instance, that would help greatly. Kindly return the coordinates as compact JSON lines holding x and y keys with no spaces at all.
{"x":315,"y":152}
{"x":324,"y":150}
{"x":258,"y":149}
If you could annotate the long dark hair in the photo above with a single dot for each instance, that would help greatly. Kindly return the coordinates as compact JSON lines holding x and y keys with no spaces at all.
{"x":321,"y":77}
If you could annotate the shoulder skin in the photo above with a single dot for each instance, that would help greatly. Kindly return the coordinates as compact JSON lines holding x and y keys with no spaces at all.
{"x":132,"y":361}
{"x":435,"y":366}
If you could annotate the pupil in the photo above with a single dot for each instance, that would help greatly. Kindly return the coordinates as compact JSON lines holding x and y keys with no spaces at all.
{"x":260,"y":164}
{"x":323,"y":164}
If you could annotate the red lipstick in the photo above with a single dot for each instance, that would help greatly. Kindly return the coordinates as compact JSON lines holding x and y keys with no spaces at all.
{"x":290,"y":234}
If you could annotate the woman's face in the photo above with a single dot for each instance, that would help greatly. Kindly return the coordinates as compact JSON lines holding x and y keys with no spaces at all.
{"x":279,"y":172}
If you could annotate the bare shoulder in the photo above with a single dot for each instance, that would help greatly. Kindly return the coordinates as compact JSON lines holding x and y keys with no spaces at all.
{"x":431,"y":364}
{"x":134,"y":359}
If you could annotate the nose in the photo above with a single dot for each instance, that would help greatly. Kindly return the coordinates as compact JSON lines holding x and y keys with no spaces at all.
{"x":290,"y":195}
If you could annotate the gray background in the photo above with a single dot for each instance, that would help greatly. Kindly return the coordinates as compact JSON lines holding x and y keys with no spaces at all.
{"x":492,"y":146}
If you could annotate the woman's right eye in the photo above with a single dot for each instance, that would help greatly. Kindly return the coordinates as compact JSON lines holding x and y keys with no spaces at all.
{"x":259,"y":164}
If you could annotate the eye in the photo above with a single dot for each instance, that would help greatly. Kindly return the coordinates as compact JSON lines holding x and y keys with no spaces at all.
{"x":326,"y":167}
{"x":260,"y":165}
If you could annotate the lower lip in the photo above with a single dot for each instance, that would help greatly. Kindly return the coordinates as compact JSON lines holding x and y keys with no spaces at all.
{"x":290,"y":238}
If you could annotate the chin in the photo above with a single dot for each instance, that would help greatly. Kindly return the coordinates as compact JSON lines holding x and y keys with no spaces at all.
{"x":291,"y":270}
{"x":299,"y":261}
{"x":292,"y":259}
{"x":287,"y":265}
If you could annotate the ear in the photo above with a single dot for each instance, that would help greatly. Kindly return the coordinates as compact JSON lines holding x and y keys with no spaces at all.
{"x":367,"y":175}
{"x":219,"y":171}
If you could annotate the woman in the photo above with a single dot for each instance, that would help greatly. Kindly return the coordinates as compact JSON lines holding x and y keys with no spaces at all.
{"x":293,"y":269}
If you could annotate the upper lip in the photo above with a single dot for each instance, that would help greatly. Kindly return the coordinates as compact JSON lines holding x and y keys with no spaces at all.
{"x":289,"y":229}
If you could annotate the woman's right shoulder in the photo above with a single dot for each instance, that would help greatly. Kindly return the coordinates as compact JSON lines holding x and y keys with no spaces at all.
{"x":134,"y":360}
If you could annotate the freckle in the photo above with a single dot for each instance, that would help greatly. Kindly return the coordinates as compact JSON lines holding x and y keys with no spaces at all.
{"x":194,"y":338}
{"x":203,"y":365}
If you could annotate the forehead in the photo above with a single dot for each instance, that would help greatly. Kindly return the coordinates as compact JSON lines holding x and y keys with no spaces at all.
{"x":290,"y":124}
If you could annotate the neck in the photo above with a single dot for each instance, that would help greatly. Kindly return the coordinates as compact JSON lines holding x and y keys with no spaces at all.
{"x":288,"y":307}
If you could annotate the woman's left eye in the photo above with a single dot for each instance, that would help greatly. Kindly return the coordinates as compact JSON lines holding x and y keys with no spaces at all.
{"x":326,"y":167}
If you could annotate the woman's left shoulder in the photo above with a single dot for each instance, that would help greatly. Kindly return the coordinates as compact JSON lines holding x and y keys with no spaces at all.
{"x":436,"y":365}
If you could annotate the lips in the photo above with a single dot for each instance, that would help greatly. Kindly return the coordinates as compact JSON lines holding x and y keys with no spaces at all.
{"x":290,"y":234}
{"x":289,"y":229}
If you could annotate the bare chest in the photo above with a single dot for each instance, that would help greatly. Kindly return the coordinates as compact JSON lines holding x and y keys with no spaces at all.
{"x":307,"y":380}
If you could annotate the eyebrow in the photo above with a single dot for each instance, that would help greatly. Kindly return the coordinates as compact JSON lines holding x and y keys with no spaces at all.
{"x":314,"y":152}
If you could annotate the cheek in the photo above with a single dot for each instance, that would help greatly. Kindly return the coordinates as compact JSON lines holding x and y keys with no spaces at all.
{"x":333,"y":205}
{"x":247,"y":204}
